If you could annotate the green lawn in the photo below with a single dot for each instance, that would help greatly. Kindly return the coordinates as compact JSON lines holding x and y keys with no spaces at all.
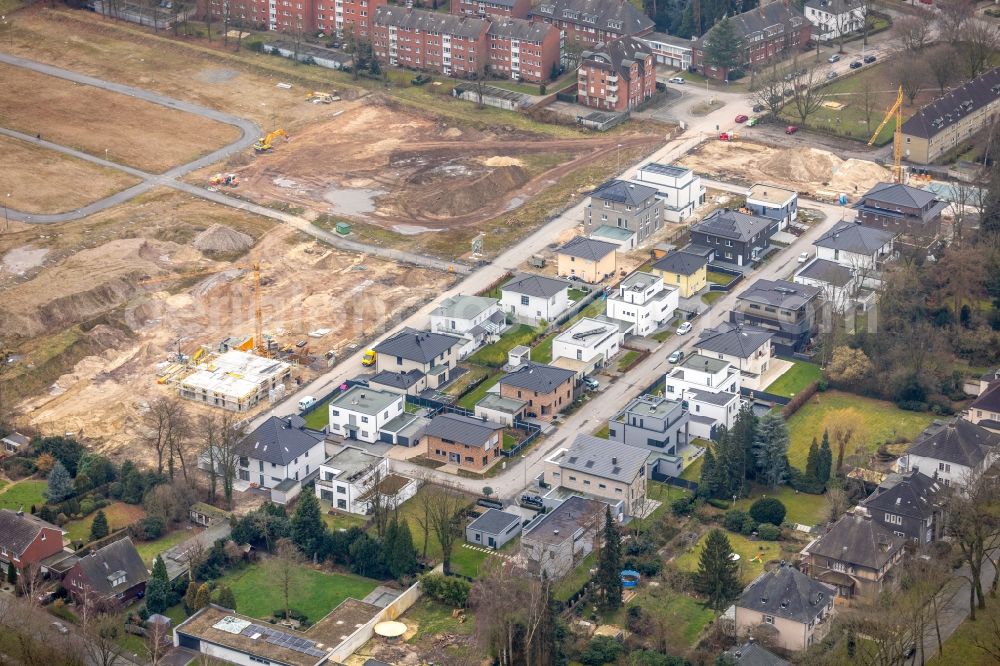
{"x":693,"y":471}
{"x":960,"y":648}
{"x":342,"y":521}
{"x":150,"y":549}
{"x":662,"y":336}
{"x":874,"y":420}
{"x":795,"y":379}
{"x":471,"y":375}
{"x":627,"y":359}
{"x":603,"y":431}
{"x":433,"y":619}
{"x":466,"y":561}
{"x":23,"y":494}
{"x":119,"y":515}
{"x":542,"y":352}
{"x":720,"y":278}
{"x":711,"y":297}
{"x":509,"y":441}
{"x":410,"y":511}
{"x":469,"y":400}
{"x":747,"y":549}
{"x":495,"y":355}
{"x":576,"y":294}
{"x":684,"y":617}
{"x":566,"y":587}
{"x":319,"y":418}
{"x":801,"y":507}
{"x":316,"y":593}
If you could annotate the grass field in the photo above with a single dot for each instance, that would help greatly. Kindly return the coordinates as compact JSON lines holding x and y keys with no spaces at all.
{"x":795,"y":379}
{"x":150,"y":549}
{"x":466,"y":561}
{"x":409,"y":511}
{"x":119,"y":515}
{"x":684,"y":617}
{"x":434,"y":619}
{"x":711,"y":297}
{"x":341,"y":521}
{"x":566,"y":587}
{"x":495,"y":355}
{"x":576,"y":294}
{"x":719,"y":278}
{"x":316,"y":593}
{"x":319,"y":418}
{"x":23,"y":494}
{"x":469,"y":400}
{"x":960,"y":648}
{"x":627,"y":359}
{"x":874,"y":420}
{"x":747,"y":550}
{"x":801,"y":507}
{"x":693,"y":471}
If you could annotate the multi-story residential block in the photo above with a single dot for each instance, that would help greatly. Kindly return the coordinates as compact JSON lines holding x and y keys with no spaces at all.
{"x":617,"y":76}
{"x":685,"y":270}
{"x":425,"y":40}
{"x":856,"y":556}
{"x":588,"y":259}
{"x":644,"y":301}
{"x":624,"y":205}
{"x":361,"y":412}
{"x":589,"y":344}
{"x":464,"y":441}
{"x":785,"y":308}
{"x":476,"y":319}
{"x":908,"y":211}
{"x":27,"y":540}
{"x":833,"y":18}
{"x":680,"y":189}
{"x":672,"y":52}
{"x":434,"y":355}
{"x":495,"y":9}
{"x":908,"y":505}
{"x":281,"y":455}
{"x":530,"y":298}
{"x":747,"y":348}
{"x":110,"y":577}
{"x":945,"y":123}
{"x":547,"y":390}
{"x":775,"y":203}
{"x":604,"y":469}
{"x":593,"y":21}
{"x":351,"y":17}
{"x":771,"y":31}
{"x":350,"y":479}
{"x":735,"y":237}
{"x":657,"y":424}
{"x":524,"y":51}
{"x":710,"y":388}
{"x":954,"y":451}
{"x":797,"y":608}
{"x":554,"y":543}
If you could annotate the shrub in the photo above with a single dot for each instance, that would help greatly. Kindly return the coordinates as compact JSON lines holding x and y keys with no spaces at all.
{"x":446,"y":589}
{"x":682,"y":506}
{"x":718,"y":503}
{"x":822,"y":384}
{"x":601,"y":650}
{"x":733,"y":520}
{"x":768,"y":510}
{"x":748,"y":526}
{"x":115,"y":490}
{"x":800,"y":398}
{"x":768,"y":532}
{"x":912,"y":405}
{"x":151,"y":527}
{"x":87,"y":507}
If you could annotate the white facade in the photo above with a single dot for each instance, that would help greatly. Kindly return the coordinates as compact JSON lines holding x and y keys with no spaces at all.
{"x":533,"y":309}
{"x":833,"y":18}
{"x":680,"y":189}
{"x":670,"y":51}
{"x":346,"y":478}
{"x":591,"y":341}
{"x":951,"y":474}
{"x":475,"y":319}
{"x":643,"y":301}
{"x":838,"y":296}
{"x":268,"y":474}
{"x":711,"y":388}
{"x":359,"y":413}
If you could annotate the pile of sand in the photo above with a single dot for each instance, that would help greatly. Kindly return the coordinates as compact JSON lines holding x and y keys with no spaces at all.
{"x":858,"y":175}
{"x":502,"y":161}
{"x":805,"y":165}
{"x":220,"y":238}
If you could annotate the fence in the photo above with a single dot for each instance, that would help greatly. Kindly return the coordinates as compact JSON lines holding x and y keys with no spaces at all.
{"x":364,"y":633}
{"x":765,"y":396}
{"x":674,"y":481}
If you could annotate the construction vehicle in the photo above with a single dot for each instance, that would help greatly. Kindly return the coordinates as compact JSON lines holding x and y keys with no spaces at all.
{"x":260,"y":345}
{"x":227,"y":179}
{"x":317,"y":97}
{"x":895,"y":112}
{"x":264,"y":144}
{"x":369,"y":358}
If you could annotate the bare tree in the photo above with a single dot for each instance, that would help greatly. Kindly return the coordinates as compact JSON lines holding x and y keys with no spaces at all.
{"x":100,"y":633}
{"x":378,"y":502}
{"x":837,"y":502}
{"x":973,"y":522}
{"x":165,"y":423}
{"x":446,"y":505}
{"x":912,"y":32}
{"x":30,"y":582}
{"x":769,"y":90}
{"x":965,"y":202}
{"x":980,"y":41}
{"x":192,"y":556}
{"x":222,"y":436}
{"x":843,"y":425}
{"x":952,"y":16}
{"x":208,"y":427}
{"x":943,"y":66}
{"x":807,"y":95}
{"x":424,"y":500}
{"x":512,"y":613}
{"x":283,"y":571}
{"x":919,"y":598}
{"x":157,"y":643}
{"x":879,"y":637}
{"x":912,"y":76}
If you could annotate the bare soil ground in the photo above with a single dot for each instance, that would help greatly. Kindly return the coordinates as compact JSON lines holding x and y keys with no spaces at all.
{"x":53,"y":183}
{"x":137,"y":133}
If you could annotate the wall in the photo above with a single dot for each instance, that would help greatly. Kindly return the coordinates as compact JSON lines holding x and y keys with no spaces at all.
{"x":587,"y":270}
{"x":363,"y":634}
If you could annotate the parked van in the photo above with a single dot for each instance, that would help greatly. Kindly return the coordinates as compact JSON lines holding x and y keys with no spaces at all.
{"x":306,"y":402}
{"x":368,"y":359}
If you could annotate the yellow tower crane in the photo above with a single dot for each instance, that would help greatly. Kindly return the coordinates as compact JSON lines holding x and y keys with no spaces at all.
{"x":258,"y":339}
{"x":894,"y":112}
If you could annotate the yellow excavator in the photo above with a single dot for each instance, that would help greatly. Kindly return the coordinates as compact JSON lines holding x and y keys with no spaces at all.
{"x":264,"y":144}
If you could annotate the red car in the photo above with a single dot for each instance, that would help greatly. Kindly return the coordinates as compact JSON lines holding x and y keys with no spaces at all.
{"x":741,"y":118}
{"x":791,"y":129}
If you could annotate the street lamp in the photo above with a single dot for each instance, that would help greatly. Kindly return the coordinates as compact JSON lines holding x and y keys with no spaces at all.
{"x":619,"y":158}
{"x":6,"y":222}
{"x":524,"y":464}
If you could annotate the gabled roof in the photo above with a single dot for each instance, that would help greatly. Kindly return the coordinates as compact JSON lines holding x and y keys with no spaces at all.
{"x":774,"y":15}
{"x":855,"y":238}
{"x":957,"y":103}
{"x":753,"y":654}
{"x":788,"y":593}
{"x":681,"y":262}
{"x":279,"y":440}
{"x":18,"y":531}
{"x":417,"y":346}
{"x":427,"y":21}
{"x":495,"y":521}
{"x":115,"y":561}
{"x":400,"y":380}
{"x":537,"y":377}
{"x":530,"y":284}
{"x":617,"y":56}
{"x":733,"y":340}
{"x":616,"y":17}
{"x":911,"y":494}
{"x":896,"y":194}
{"x":956,"y":441}
{"x":463,"y":307}
{"x":988,"y":400}
{"x":859,"y":540}
{"x":524,"y":30}
{"x":587,"y":248}
{"x":462,"y":429}
{"x":604,"y":458}
{"x":732,"y":224}
{"x":622,"y":191}
{"x":824,"y":270}
{"x":834,"y":6}
{"x":779,"y":293}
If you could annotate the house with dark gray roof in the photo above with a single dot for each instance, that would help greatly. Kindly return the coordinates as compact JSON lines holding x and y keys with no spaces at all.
{"x":112,"y":576}
{"x":547,"y":389}
{"x":604,"y":469}
{"x":587,"y":259}
{"x":26,"y":539}
{"x":554,"y":543}
{"x":785,"y":308}
{"x":753,"y":654}
{"x":836,"y":281}
{"x":433,"y":354}
{"x":747,"y":348}
{"x":908,"y":504}
{"x":737,"y":238}
{"x":478,"y":320}
{"x":530,"y":298}
{"x":624,"y":205}
{"x":493,"y":529}
{"x":465,"y":442}
{"x":855,"y":245}
{"x":688,"y":271}
{"x":593,"y":21}
{"x":794,"y":610}
{"x":911,"y":212}
{"x":856,"y":556}
{"x":955,"y":450}
{"x":985,"y":409}
{"x":411,"y":382}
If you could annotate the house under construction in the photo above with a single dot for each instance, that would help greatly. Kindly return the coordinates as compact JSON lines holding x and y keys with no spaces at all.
{"x":235,"y":380}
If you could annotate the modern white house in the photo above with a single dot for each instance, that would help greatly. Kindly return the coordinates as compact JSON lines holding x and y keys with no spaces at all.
{"x":674,"y":52}
{"x":361,"y":412}
{"x":590,"y":342}
{"x":861,"y":248}
{"x":836,"y":281}
{"x":775,"y":203}
{"x":680,"y":189}
{"x":350,"y":479}
{"x":280,"y":454}
{"x":747,"y":348}
{"x":710,"y":389}
{"x":833,"y":18}
{"x":476,"y":319}
{"x":644,"y":301}
{"x":532,"y":298}
{"x":955,"y":450}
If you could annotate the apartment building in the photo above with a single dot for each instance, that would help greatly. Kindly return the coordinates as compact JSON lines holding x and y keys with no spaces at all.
{"x":608,"y":470}
{"x":710,"y":389}
{"x":417,"y":39}
{"x":658,"y":424}
{"x":522,"y":50}
{"x":353,"y":17}
{"x":495,"y":9}
{"x":624,"y":205}
{"x":593,"y":21}
{"x":672,"y":52}
{"x":909,"y":211}
{"x":617,"y":76}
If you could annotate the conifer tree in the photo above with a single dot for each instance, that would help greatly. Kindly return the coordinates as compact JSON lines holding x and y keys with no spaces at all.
{"x":307,"y":525}
{"x":824,"y":463}
{"x":717,"y":576}
{"x":99,"y":528}
{"x":608,"y":579}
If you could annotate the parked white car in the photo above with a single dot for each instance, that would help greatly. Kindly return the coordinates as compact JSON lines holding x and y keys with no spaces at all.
{"x":678,"y":80}
{"x":804,"y":257}
{"x":684,"y":328}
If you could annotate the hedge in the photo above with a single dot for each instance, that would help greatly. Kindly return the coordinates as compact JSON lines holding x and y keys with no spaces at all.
{"x":800,"y":399}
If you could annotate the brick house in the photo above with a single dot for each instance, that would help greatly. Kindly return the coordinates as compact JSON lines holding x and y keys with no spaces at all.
{"x":350,"y":16}
{"x":26,"y":539}
{"x":617,"y":76}
{"x":444,"y":43}
{"x":112,"y":576}
{"x":901,"y":209}
{"x":548,"y":390}
{"x":288,"y":16}
{"x":764,"y":33}
{"x":492,"y":8}
{"x":464,"y":441}
{"x":522,"y":50}
{"x":593,"y":21}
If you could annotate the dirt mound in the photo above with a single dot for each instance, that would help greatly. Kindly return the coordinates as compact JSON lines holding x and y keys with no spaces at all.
{"x":502,"y":161}
{"x":446,"y":203}
{"x":220,"y":238}
{"x":858,"y":175}
{"x":805,"y":165}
